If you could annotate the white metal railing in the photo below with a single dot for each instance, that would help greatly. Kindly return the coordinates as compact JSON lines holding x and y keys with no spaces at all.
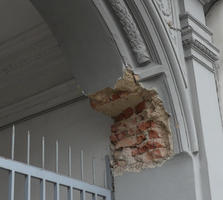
{"x":47,"y":176}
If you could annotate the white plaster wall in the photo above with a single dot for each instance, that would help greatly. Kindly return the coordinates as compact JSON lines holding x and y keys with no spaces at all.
{"x":174,"y":180}
{"x":211,"y":127}
{"x":76,"y":125}
{"x":214,"y":21}
{"x":82,"y":128}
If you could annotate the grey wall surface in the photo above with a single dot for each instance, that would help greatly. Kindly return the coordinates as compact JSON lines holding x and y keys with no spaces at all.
{"x":82,"y":128}
{"x":174,"y":180}
{"x":17,"y":16}
{"x":76,"y":125}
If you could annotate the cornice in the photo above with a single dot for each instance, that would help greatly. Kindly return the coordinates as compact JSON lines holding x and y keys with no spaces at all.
{"x":189,"y":30}
{"x":203,"y":49}
{"x":196,"y":21}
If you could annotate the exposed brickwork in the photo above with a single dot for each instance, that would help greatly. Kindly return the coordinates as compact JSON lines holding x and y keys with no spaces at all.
{"x":140,"y":136}
{"x":141,"y":133}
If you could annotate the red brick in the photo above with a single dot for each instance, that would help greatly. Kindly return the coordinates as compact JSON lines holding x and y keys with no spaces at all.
{"x":153,"y":124}
{"x":135,"y":151}
{"x":155,"y":144}
{"x":115,"y":127}
{"x":120,"y":117}
{"x":126,"y":142}
{"x":115,"y":96}
{"x":159,"y":153}
{"x":122,"y":135}
{"x":93,"y":103}
{"x":153,"y":134}
{"x":128,"y":112}
{"x":140,"y":138}
{"x":140,"y":107}
{"x":143,"y":149}
{"x":113,"y":139}
{"x":144,"y":125}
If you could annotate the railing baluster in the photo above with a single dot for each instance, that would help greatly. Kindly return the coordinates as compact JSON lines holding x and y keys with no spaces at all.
{"x":70,"y":193}
{"x":43,"y":189}
{"x":28,"y":187}
{"x":95,"y":196}
{"x":57,"y":159}
{"x":11,"y":185}
{"x":70,"y":161}
{"x":13,"y":143}
{"x":82,"y":165}
{"x":43,"y":152}
{"x":57,"y":191}
{"x":93,"y":169}
{"x":105,"y":178}
{"x":28,"y":148}
{"x":83,"y":195}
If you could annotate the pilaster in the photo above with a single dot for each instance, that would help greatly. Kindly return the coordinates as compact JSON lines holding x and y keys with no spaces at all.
{"x":200,"y":58}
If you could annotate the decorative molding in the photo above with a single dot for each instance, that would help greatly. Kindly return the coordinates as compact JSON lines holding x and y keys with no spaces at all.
{"x":203,"y":49}
{"x":186,"y":16}
{"x":45,"y":100}
{"x":131,"y":30}
{"x":189,"y":30}
{"x":166,"y":8}
{"x":190,"y":57}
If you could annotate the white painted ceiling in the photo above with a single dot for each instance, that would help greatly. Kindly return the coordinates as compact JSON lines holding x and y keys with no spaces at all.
{"x":17,"y":16}
{"x":31,"y":61}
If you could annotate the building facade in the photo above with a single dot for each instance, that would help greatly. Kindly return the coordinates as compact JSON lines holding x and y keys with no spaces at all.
{"x":129,"y":85}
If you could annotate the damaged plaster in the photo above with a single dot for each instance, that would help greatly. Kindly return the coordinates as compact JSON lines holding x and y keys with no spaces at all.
{"x":140,"y":136}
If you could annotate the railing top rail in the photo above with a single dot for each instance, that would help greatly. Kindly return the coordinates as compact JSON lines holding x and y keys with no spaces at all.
{"x":53,"y":177}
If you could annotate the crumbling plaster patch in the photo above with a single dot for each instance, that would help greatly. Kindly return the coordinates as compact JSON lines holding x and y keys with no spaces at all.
{"x":140,"y":136}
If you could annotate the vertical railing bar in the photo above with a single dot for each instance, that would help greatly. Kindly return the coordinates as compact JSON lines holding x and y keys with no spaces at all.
{"x":70,"y":193}
{"x":28,"y":147}
{"x":95,"y":196}
{"x":83,"y":195}
{"x":57,"y":191}
{"x":13,"y":143}
{"x":70,"y":161}
{"x":82,"y":165}
{"x":105,"y":179}
{"x":28,"y":188}
{"x":11,"y":185}
{"x":93,"y":169}
{"x":43,"y":152}
{"x":57,"y":158}
{"x":43,"y":189}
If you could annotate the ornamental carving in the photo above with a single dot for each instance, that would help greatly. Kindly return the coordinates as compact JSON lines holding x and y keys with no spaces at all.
{"x":131,"y":30}
{"x":165,"y":6}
